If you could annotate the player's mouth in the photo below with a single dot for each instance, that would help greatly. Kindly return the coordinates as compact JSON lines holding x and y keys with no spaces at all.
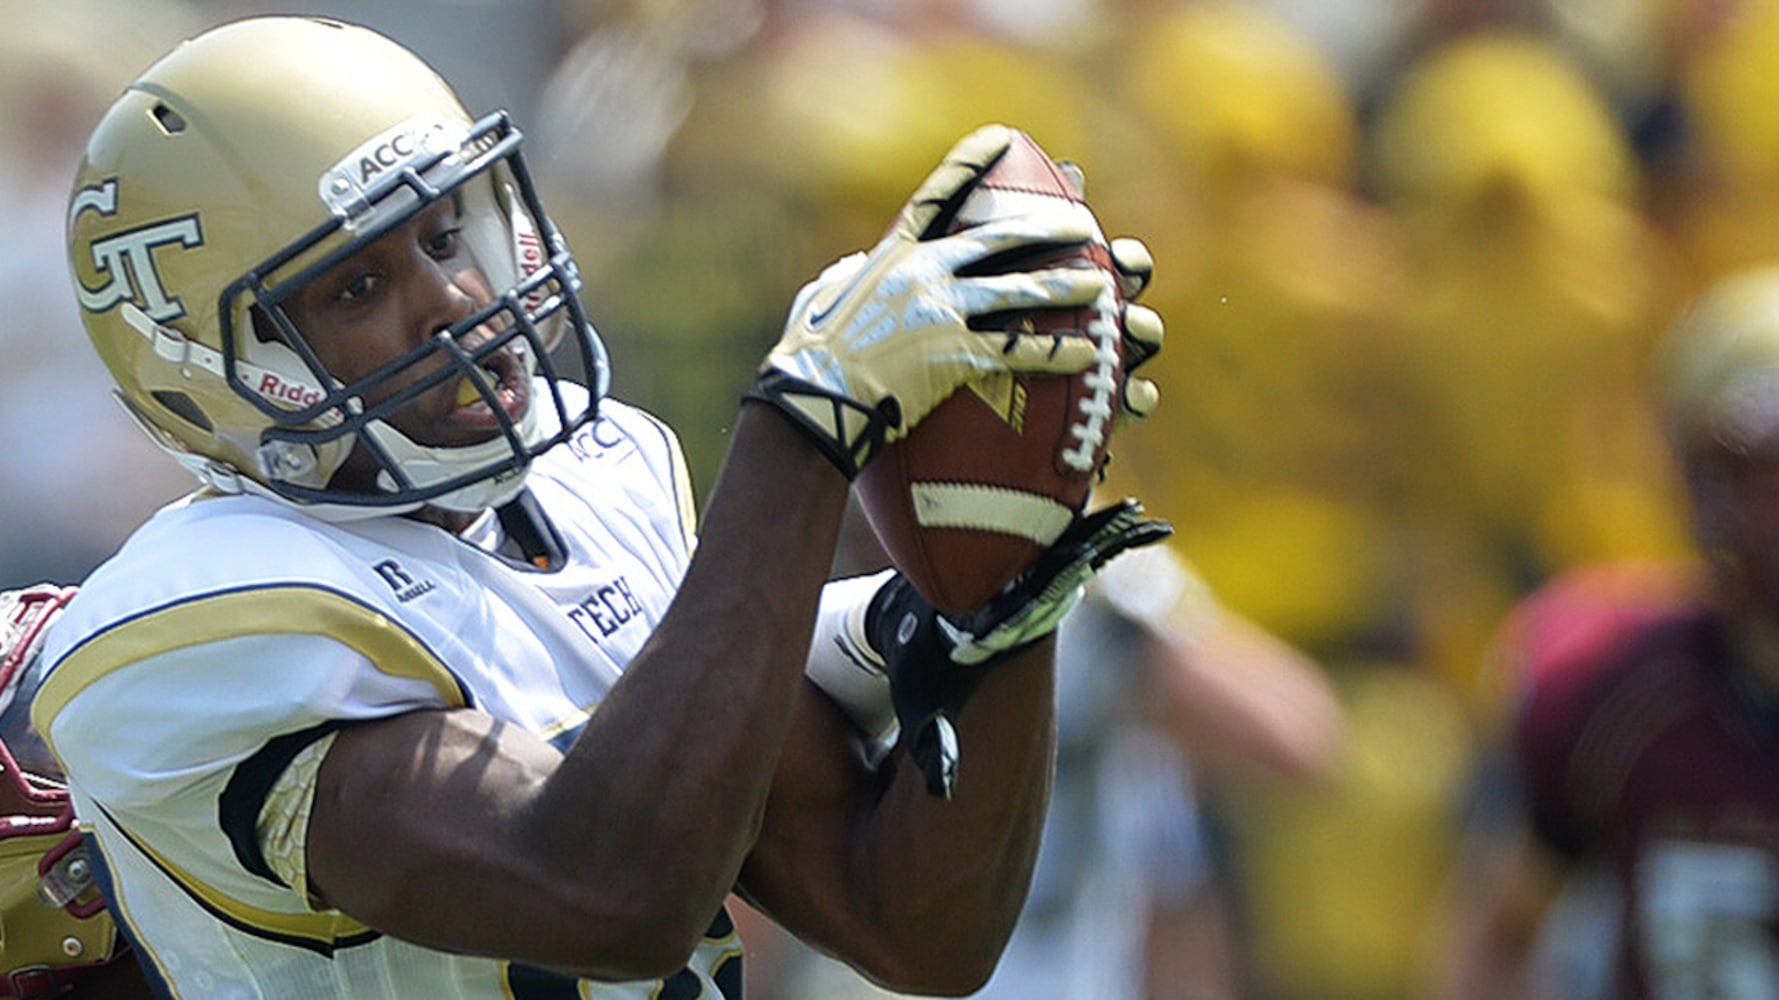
{"x":499,"y":377}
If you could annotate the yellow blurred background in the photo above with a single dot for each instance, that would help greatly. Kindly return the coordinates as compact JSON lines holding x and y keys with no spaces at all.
{"x":1412,"y":255}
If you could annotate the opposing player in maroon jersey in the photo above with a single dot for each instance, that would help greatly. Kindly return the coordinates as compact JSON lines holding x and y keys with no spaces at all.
{"x":1647,"y":734}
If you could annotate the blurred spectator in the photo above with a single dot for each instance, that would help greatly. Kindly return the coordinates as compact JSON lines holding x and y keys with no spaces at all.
{"x":1644,"y":731}
{"x":1721,"y":189}
{"x":1535,"y":278}
{"x":1283,"y":414}
{"x":1538,"y":286}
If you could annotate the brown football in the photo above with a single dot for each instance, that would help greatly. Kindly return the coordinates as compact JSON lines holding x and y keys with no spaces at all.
{"x":991,"y":477}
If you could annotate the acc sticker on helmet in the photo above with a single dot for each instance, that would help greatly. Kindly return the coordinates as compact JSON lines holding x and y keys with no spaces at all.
{"x":343,"y":189}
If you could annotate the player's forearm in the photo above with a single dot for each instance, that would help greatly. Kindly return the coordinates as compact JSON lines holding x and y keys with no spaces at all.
{"x":1247,"y":702}
{"x":610,"y":861}
{"x":953,"y":875}
{"x":692,"y":734}
{"x":918,"y":892}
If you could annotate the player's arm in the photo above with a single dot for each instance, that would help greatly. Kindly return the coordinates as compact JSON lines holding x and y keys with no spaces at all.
{"x":610,"y":860}
{"x":917,"y":892}
{"x":1245,"y":702}
{"x":914,"y":871}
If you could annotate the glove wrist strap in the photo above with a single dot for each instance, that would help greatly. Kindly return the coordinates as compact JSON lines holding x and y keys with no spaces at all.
{"x":846,"y":432}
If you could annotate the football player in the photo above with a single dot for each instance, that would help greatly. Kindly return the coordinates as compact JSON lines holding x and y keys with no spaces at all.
{"x":56,"y":938}
{"x":1647,"y":733}
{"x":427,"y":691}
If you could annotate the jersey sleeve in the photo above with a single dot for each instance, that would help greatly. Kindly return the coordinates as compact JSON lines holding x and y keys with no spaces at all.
{"x":178,"y":724}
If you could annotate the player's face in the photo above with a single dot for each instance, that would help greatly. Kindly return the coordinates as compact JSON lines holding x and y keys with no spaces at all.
{"x":389,"y":298}
{"x":1736,"y":494}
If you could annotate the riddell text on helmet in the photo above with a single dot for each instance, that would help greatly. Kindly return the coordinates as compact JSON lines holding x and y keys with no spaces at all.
{"x":276,"y":389}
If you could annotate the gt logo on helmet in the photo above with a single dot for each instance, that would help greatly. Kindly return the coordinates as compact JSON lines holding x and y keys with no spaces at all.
{"x":128,"y":257}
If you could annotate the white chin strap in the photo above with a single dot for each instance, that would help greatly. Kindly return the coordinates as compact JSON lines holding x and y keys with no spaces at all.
{"x":434,"y":468}
{"x":426,"y":466}
{"x":423,"y":465}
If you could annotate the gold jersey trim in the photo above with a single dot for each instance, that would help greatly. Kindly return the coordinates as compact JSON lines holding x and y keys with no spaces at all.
{"x":290,"y":608}
{"x":321,"y":932}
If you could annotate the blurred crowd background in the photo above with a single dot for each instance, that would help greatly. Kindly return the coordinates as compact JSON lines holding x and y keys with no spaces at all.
{"x":1413,"y":256}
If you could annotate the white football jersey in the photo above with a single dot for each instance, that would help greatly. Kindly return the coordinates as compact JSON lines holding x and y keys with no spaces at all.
{"x":231,"y":631}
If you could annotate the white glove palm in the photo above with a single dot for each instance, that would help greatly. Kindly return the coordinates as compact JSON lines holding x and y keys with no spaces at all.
{"x":879,"y":340}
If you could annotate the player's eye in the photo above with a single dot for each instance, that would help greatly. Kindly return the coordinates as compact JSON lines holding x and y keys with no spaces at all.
{"x":357,"y":288}
{"x":442,"y":244}
{"x":440,"y":228}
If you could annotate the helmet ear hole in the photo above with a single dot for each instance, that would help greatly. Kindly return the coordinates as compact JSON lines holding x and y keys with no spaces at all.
{"x":185,"y":407}
{"x":170,"y":121}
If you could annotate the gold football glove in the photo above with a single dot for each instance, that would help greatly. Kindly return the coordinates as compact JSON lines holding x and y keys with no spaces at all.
{"x":880,"y":339}
{"x":1140,"y":326}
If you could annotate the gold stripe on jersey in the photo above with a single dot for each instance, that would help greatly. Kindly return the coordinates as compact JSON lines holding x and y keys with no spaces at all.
{"x":319,"y":931}
{"x":553,"y":731}
{"x":288,"y":608}
{"x":682,"y":482}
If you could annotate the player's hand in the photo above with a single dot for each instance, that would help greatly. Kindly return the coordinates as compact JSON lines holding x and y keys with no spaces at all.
{"x":1140,"y":326}
{"x":1034,"y":604}
{"x":934,"y":662}
{"x":880,"y":339}
{"x":25,"y":614}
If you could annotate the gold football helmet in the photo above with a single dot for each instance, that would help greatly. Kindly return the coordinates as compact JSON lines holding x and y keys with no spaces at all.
{"x":53,"y":925}
{"x":1718,"y":379}
{"x":246,"y":163}
{"x":1719,"y":367}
